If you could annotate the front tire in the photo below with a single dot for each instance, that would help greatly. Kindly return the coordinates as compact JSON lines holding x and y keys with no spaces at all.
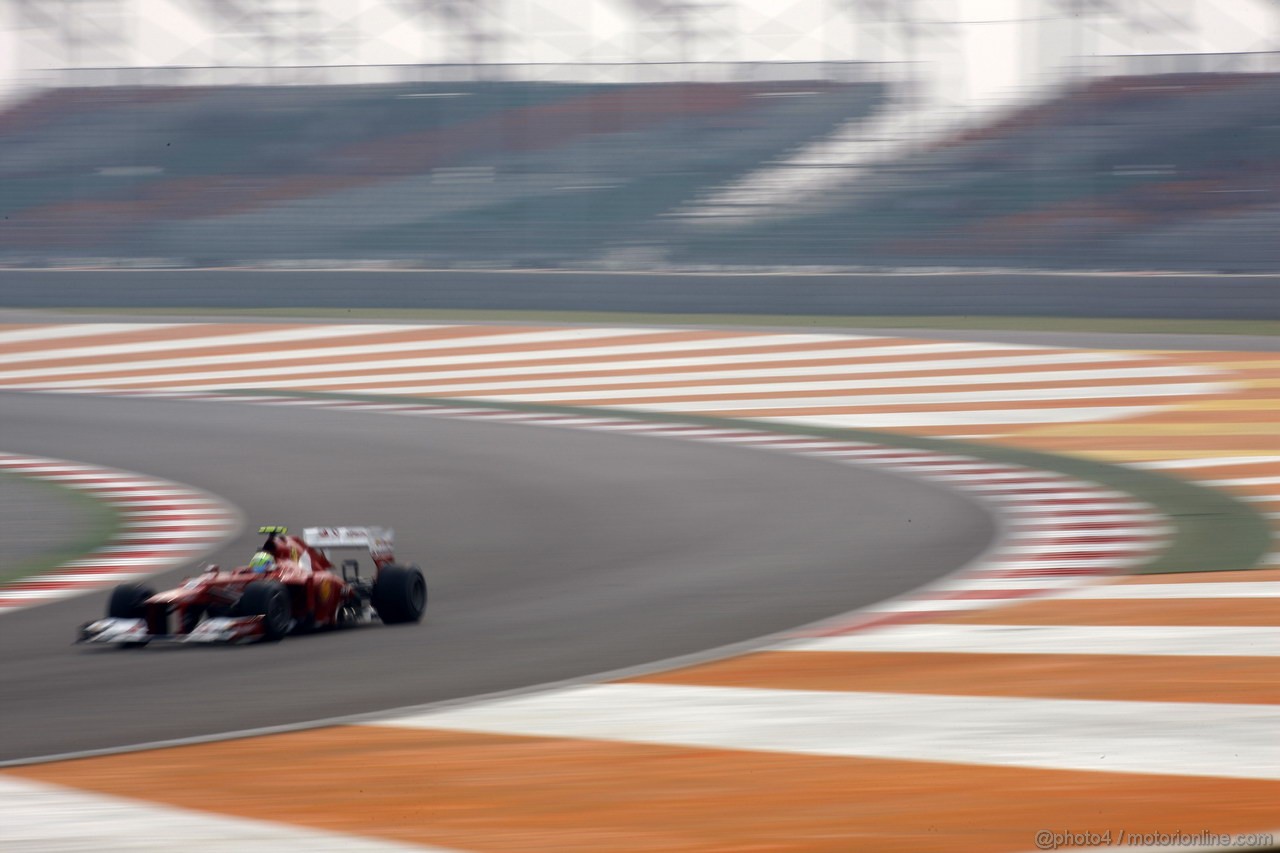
{"x":399,"y":594}
{"x":270,"y":600}
{"x":129,"y":601}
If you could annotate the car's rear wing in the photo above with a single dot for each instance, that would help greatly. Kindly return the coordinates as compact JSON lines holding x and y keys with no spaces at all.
{"x":379,"y":540}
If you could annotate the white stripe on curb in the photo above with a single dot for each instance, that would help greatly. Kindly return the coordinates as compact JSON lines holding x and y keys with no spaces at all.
{"x":1173,"y":738}
{"x":36,"y":817}
{"x":1054,"y":640}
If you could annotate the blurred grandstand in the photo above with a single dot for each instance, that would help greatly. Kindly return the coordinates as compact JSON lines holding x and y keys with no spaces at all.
{"x":501,"y":173}
{"x":1172,"y":171}
{"x":1169,"y":163}
{"x":1165,"y":171}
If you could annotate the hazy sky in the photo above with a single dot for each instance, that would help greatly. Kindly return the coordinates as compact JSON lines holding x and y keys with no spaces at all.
{"x":975,"y":49}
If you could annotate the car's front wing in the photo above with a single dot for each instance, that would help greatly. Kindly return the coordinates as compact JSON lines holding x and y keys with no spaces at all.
{"x":133,"y":632}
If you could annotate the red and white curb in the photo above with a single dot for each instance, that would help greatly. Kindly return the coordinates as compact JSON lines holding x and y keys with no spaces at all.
{"x":163,"y":525}
{"x":1056,"y":532}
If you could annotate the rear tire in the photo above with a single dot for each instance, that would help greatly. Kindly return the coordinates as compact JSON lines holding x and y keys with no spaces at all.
{"x":270,"y":600}
{"x":129,"y":601}
{"x":399,"y":594}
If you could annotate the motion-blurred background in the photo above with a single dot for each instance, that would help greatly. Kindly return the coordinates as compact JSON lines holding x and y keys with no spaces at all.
{"x":642,"y":134}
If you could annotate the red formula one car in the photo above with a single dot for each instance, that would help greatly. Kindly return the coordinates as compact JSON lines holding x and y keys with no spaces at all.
{"x":289,"y":586}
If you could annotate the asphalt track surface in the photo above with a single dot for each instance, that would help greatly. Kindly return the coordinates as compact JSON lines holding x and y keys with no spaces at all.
{"x":550,"y":554}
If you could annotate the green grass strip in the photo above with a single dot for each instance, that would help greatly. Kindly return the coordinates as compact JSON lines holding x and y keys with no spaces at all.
{"x":1213,"y":532}
{"x":798,"y":322}
{"x":96,"y":522}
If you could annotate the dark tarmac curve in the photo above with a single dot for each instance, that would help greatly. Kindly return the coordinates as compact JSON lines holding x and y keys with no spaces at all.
{"x":550,"y":554}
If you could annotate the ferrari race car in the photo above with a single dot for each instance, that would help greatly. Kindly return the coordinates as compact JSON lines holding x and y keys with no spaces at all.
{"x":290,"y":586}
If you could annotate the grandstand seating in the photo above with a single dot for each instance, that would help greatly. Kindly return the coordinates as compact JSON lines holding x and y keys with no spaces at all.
{"x":456,"y":172}
{"x":1167,"y":171}
{"x":1163,"y":171}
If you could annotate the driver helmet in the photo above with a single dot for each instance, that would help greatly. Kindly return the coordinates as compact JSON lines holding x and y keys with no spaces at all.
{"x":262,"y":562}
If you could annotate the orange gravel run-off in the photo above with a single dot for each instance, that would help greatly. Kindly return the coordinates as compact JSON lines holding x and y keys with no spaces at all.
{"x":1133,"y":678}
{"x":506,"y":794}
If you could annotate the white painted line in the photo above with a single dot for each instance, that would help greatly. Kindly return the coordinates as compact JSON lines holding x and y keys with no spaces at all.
{"x":1237,"y":589}
{"x":676,"y":385}
{"x":707,"y":434}
{"x":36,"y":817}
{"x":917,"y":603}
{"x":89,"y":562}
{"x":1207,"y":462}
{"x":1011,"y":477}
{"x":1024,"y":484}
{"x":181,"y":531}
{"x":1103,"y":504}
{"x":967,"y":583}
{"x":1055,"y":639}
{"x":438,"y":412}
{"x":1106,"y":563}
{"x":1102,"y":549}
{"x":1056,"y":498}
{"x":943,"y":419}
{"x":76,"y":330}
{"x":763,"y":440}
{"x":133,"y":494}
{"x":146,"y":548}
{"x":81,"y":476}
{"x":1082,"y":523}
{"x":1183,"y":739}
{"x":1243,"y":481}
{"x":578,"y":423}
{"x":167,"y":505}
{"x":923,"y":398}
{"x":41,"y":470}
{"x":18,"y":593}
{"x":958,"y":471}
{"x":72,"y":580}
{"x":209,"y":514}
{"x":814,"y":447}
{"x":1058,"y":533}
{"x":905,"y":456}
